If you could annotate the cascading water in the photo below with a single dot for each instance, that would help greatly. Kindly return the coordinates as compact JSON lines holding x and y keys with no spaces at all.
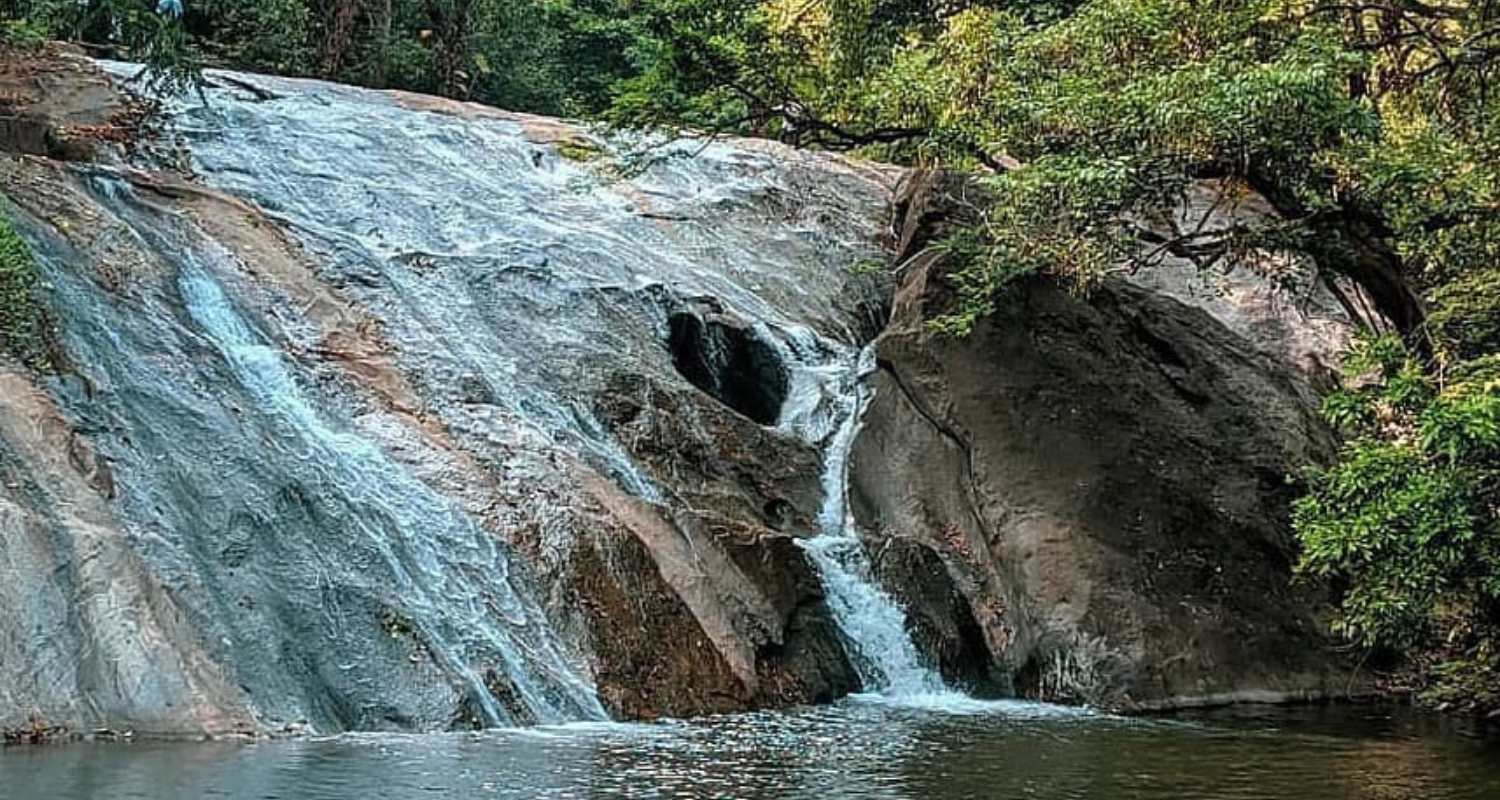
{"x":449,"y":579}
{"x":408,"y":552}
{"x":825,"y":407}
{"x":336,"y":400}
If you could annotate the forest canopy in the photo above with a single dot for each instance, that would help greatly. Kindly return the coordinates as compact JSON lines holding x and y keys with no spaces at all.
{"x":1372,"y":127}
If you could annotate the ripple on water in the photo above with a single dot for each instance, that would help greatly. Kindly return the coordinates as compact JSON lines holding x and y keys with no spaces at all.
{"x":865,"y":748}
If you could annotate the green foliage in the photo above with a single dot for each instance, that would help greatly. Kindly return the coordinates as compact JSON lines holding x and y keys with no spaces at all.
{"x":869,"y":266}
{"x":22,"y":322}
{"x":1115,"y":108}
{"x":545,"y":56}
{"x":262,"y":35}
{"x":20,"y":32}
{"x":133,"y":27}
{"x":1464,"y":313}
{"x":1091,"y":114}
{"x":1373,"y":113}
{"x":30,"y":23}
{"x":1406,"y":521}
{"x":579,"y":151}
{"x":1055,"y":217}
{"x":1467,"y":679}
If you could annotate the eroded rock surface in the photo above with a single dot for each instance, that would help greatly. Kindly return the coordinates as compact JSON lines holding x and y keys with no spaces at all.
{"x":55,"y":103}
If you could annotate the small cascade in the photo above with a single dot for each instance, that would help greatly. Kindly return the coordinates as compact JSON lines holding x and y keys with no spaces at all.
{"x":825,"y":406}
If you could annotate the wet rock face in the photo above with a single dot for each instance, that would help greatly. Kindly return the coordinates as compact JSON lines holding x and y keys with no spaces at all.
{"x":54,"y":103}
{"x":1105,"y":480}
{"x":390,"y":418}
{"x":751,"y":490}
{"x":940,"y":619}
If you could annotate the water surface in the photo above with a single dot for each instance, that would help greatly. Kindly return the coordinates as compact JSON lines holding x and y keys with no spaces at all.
{"x":943,"y":750}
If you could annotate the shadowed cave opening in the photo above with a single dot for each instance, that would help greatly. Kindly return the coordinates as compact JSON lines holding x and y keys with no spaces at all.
{"x":731,"y":363}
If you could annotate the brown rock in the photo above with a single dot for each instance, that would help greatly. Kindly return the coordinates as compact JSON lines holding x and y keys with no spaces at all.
{"x":739,"y":495}
{"x":56,"y":103}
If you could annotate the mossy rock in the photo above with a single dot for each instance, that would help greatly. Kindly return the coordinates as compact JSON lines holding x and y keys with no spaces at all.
{"x":579,"y":150}
{"x":23,"y":322}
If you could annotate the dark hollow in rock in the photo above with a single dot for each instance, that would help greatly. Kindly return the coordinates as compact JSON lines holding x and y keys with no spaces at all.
{"x":729,"y":361}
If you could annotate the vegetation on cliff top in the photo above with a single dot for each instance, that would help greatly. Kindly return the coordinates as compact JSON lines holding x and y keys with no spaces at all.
{"x":547,"y":56}
{"x":1373,"y":129}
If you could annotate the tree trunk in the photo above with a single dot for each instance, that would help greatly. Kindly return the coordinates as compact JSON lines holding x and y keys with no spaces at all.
{"x":340,"y":34}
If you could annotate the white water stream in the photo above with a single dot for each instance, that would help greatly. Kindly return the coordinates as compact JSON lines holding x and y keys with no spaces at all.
{"x":825,"y":406}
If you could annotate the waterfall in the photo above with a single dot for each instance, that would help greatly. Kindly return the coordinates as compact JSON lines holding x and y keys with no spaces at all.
{"x":825,"y":406}
{"x":381,"y":529}
{"x":346,"y":381}
{"x":449,"y":612}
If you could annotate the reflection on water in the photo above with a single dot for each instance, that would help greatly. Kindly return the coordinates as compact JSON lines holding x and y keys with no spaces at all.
{"x":943,"y":750}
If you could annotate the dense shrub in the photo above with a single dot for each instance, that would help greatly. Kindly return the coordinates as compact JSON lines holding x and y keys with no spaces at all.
{"x":22,"y":321}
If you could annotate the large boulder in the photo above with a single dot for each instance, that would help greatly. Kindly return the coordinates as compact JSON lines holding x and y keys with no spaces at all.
{"x":1104,"y":479}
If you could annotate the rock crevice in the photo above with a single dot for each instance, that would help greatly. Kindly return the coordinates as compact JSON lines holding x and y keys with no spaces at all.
{"x":732,"y":363}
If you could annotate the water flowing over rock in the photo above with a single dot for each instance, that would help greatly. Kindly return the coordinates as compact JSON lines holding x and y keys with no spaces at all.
{"x":828,"y":408}
{"x":379,"y":411}
{"x":388,"y":418}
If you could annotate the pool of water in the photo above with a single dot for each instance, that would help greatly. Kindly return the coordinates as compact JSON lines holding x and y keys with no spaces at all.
{"x":942,"y":750}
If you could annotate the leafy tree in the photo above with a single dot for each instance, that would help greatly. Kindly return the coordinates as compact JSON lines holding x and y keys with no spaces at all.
{"x":547,"y":56}
{"x":267,"y":35}
{"x":1408,"y":520}
{"x":149,"y":30}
